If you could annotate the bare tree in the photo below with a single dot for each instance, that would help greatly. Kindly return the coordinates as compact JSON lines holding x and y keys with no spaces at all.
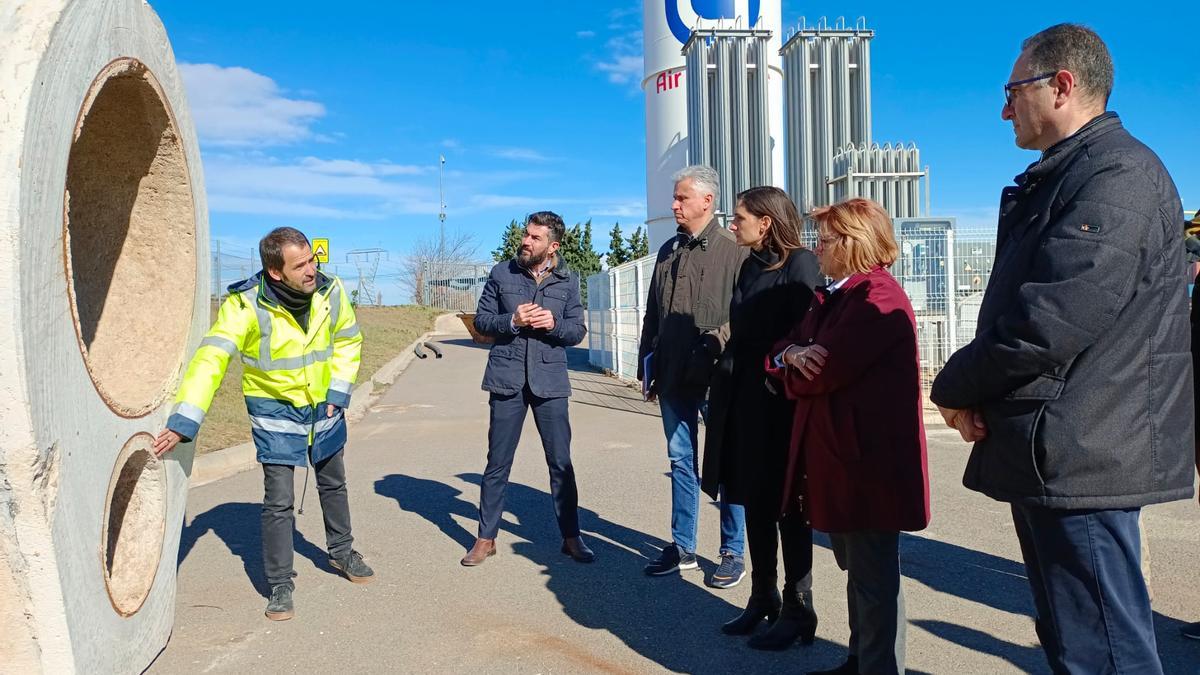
{"x":433,"y":264}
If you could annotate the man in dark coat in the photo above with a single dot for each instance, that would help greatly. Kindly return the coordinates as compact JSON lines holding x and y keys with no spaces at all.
{"x":530,"y":305}
{"x":687,"y":310}
{"x":1077,"y":389}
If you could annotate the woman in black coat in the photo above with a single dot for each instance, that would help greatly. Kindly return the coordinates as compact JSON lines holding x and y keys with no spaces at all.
{"x":747,"y":437}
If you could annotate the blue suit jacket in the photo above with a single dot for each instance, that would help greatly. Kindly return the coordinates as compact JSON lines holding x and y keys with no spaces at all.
{"x":530,"y":356}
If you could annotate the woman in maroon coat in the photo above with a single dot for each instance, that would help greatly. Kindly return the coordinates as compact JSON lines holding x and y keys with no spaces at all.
{"x":857,"y":466}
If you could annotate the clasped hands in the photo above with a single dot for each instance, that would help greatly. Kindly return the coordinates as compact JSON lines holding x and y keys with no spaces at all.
{"x":810,"y":360}
{"x":531,"y":315}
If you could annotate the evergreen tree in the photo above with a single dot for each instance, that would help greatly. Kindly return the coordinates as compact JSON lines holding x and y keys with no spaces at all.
{"x":639,"y":244}
{"x":580,"y":256}
{"x":617,"y":253}
{"x":510,"y":242}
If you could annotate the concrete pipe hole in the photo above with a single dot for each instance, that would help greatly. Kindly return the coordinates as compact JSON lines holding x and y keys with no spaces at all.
{"x":129,"y":239}
{"x":134,"y":525}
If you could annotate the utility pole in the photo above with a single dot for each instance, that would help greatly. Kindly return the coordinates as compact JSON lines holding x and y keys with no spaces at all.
{"x":441,"y":208}
{"x":441,"y":254}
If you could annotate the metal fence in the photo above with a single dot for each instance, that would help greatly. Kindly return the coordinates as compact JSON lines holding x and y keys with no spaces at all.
{"x":943,"y":270}
{"x":452,"y":286}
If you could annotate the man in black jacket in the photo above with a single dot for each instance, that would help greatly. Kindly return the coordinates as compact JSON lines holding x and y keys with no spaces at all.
{"x":530,"y":305}
{"x":1077,"y":389}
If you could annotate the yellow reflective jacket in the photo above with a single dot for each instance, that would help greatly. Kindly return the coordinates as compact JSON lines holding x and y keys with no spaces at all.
{"x":290,"y":374}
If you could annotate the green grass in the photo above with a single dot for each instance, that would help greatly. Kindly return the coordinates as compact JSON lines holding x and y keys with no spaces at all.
{"x":386,"y":331}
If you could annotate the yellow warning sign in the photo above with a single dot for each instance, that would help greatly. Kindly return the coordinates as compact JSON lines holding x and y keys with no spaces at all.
{"x":321,"y":250}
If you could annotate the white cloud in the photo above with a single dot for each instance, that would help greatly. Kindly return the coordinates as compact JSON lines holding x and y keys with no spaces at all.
{"x":585,"y":34}
{"x":623,"y":209}
{"x":238,"y":107}
{"x":284,"y":207}
{"x":518,"y":154}
{"x":350,"y":167}
{"x":622,"y":69}
{"x":624,"y":64}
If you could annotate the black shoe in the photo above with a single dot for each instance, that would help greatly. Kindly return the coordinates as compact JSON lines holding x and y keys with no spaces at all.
{"x":280,"y":606}
{"x":850,"y":667}
{"x":578,"y":550}
{"x":764,"y":604}
{"x":352,"y":566}
{"x":797,"y":621}
{"x":731,"y":571}
{"x":1191,"y":631}
{"x":670,"y":560}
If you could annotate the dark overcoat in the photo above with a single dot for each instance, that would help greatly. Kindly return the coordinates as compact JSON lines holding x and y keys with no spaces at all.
{"x":748,"y":426}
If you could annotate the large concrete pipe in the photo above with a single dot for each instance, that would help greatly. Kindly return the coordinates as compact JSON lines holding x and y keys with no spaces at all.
{"x":103,"y":293}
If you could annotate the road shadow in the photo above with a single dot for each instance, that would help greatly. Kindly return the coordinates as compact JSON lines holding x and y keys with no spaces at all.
{"x":460,"y":342}
{"x":1000,"y":583}
{"x":239,"y":526}
{"x":671,"y":621}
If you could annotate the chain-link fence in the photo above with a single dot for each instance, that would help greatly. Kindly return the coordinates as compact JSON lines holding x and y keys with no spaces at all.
{"x":943,"y":270}
{"x":452,"y":286}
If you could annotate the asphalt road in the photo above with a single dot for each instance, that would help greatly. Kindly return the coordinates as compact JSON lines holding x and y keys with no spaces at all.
{"x":413,"y":469}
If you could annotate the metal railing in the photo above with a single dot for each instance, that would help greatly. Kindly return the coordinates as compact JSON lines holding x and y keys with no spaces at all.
{"x":943,"y":270}
{"x":452,"y":286}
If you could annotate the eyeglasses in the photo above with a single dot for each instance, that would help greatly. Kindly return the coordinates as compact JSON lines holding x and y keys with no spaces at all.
{"x":1008,"y":88}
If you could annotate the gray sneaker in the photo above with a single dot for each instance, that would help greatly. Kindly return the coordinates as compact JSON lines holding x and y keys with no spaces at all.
{"x":353,"y":567}
{"x":280,"y":606}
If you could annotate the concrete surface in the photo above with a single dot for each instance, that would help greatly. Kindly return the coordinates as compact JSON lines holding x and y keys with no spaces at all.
{"x":414,"y":465}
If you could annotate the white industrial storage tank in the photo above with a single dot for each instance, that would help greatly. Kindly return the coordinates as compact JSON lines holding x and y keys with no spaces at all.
{"x":667,"y":25}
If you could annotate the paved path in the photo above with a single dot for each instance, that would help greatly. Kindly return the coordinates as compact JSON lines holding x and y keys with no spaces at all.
{"x":414,"y":466}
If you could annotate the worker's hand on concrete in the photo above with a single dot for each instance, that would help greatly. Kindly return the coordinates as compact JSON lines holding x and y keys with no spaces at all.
{"x":524,"y":314}
{"x":166,"y":442}
{"x":543,"y":319}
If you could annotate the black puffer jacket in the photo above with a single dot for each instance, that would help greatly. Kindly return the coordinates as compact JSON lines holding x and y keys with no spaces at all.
{"x":1081,"y":362}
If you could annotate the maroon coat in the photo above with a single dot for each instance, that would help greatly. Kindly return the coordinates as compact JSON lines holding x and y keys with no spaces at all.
{"x":858,"y":440}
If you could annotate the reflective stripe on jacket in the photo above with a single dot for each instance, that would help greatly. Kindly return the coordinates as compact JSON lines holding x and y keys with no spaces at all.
{"x":289,"y":374}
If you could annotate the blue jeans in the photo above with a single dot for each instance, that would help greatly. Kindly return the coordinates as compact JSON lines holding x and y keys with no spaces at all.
{"x":681,"y":420}
{"x":1084,"y":568}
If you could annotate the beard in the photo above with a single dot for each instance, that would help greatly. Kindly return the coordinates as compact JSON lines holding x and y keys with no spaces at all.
{"x":531,"y":259}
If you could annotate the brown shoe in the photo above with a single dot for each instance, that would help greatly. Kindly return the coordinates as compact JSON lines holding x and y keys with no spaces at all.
{"x":578,"y":550}
{"x":480,"y":552}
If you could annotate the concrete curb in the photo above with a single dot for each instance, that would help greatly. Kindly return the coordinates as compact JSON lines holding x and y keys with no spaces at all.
{"x":213,"y":466}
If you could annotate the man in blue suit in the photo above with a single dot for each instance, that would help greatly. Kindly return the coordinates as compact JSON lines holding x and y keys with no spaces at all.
{"x":531,"y":307}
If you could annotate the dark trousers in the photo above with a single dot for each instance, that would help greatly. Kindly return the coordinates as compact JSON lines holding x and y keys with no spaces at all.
{"x":279,"y":522}
{"x":504,"y":433}
{"x":874,"y":598}
{"x":1084,"y":568}
{"x":764,"y":532}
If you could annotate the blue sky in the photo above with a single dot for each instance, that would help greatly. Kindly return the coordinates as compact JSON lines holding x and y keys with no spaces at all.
{"x":333,"y":121}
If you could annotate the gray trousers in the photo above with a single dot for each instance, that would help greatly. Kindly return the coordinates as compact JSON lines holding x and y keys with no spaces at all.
{"x":875,"y":599}
{"x":279,"y":522}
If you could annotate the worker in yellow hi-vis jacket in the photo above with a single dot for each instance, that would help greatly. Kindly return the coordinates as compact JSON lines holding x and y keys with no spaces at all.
{"x":295,"y":331}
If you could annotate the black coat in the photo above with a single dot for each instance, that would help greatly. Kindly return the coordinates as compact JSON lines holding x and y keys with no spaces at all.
{"x":748,"y":426}
{"x":530,"y":356}
{"x":1080,"y":363}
